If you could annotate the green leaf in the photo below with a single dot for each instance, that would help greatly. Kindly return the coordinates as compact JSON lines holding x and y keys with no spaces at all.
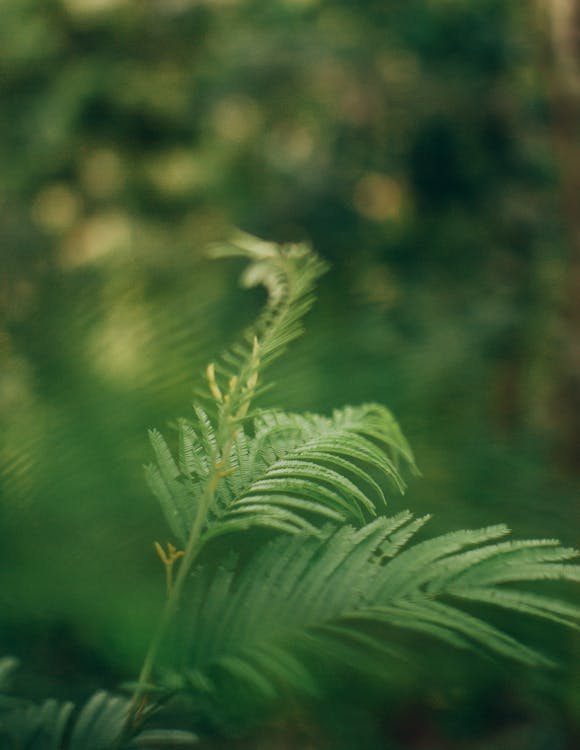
{"x":343,"y":597}
{"x":100,"y":723}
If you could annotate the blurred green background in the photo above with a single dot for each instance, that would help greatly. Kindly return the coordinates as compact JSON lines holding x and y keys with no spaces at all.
{"x":426,"y":148}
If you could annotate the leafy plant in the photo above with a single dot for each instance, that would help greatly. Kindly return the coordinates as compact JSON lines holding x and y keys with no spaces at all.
{"x":337,"y":578}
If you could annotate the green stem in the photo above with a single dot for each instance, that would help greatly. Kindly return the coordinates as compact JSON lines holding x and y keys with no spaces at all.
{"x":192,"y":549}
{"x":227,"y":427}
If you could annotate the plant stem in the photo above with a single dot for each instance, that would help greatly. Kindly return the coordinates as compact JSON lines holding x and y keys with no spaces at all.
{"x":192,"y":549}
{"x":228,"y":422}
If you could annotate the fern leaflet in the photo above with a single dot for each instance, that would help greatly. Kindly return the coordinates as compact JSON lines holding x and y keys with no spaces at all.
{"x":346,"y":595}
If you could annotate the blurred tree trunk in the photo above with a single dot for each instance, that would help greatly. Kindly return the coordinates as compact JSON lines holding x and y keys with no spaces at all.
{"x":563,"y":62}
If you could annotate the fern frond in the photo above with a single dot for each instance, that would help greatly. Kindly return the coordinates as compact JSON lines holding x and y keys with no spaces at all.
{"x":33,"y":727}
{"x":291,"y":473}
{"x":346,"y":595}
{"x":286,"y":472}
{"x":99,"y":725}
{"x":320,"y":587}
{"x":288,"y":272}
{"x":50,"y":725}
{"x":319,"y":466}
{"x":177,"y":496}
{"x":205,"y":443}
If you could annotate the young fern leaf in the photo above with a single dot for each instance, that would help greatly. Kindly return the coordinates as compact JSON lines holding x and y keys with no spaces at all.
{"x":189,"y":493}
{"x":346,"y":595}
{"x":321,"y":588}
{"x":289,"y":274}
{"x":339,"y":584}
{"x":286,"y":472}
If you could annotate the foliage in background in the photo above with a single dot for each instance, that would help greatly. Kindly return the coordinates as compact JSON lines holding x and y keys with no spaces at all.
{"x":411,"y":142}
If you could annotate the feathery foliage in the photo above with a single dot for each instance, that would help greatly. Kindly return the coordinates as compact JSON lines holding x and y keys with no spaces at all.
{"x":180,"y":486}
{"x":288,"y":274}
{"x":285,"y":470}
{"x":343,"y":596}
{"x":96,"y":726}
{"x":339,"y":578}
{"x":343,"y":577}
